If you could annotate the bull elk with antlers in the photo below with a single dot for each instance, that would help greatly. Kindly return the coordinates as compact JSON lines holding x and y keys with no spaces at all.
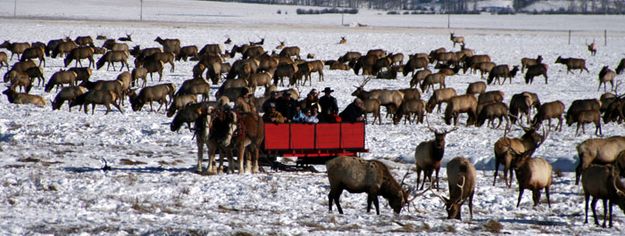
{"x":461,"y":178}
{"x":391,"y":99}
{"x":505,"y":148}
{"x":428,"y":156}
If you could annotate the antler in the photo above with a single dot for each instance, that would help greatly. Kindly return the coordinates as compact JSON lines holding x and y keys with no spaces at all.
{"x":427,"y":122}
{"x":451,"y":130}
{"x":461,"y":186}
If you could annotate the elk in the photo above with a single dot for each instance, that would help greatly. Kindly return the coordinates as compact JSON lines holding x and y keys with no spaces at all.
{"x":490,"y":97}
{"x":461,"y":179}
{"x":415,"y":63}
{"x":522,"y":104}
{"x":152,"y":66}
{"x":4,"y":60}
{"x":259,"y":79}
{"x":259,"y":43}
{"x":456,"y":39}
{"x":197,"y":86}
{"x":84,"y":41}
{"x":52,"y":44}
{"x":461,"y":104}
{"x":114,"y":86}
{"x":23,"y":98}
{"x":164,"y":57}
{"x":339,"y":66}
{"x":391,"y":99}
{"x":396,"y":58}
{"x":69,"y":94}
{"x":536,"y":70}
{"x":281,"y":45}
{"x":169,"y":45}
{"x":158,"y":93}
{"x":186,"y":52}
{"x":478,"y":87}
{"x":548,"y":111}
{"x":584,"y":117}
{"x":78,"y":54}
{"x":428,"y":156}
{"x":372,"y":106}
{"x":430,"y":80}
{"x":20,"y":79}
{"x":491,"y":111}
{"x":284,"y":70}
{"x":357,"y":175}
{"x":533,"y":174}
{"x":592,"y":48}
{"x":63,"y":48}
{"x":439,"y":97}
{"x":366,"y":63}
{"x":34,"y":52}
{"x":343,"y":40}
{"x":527,"y":62}
{"x":59,"y":78}
{"x":15,"y":48}
{"x":573,"y":64}
{"x":111,"y":45}
{"x":598,"y":151}
{"x":179,"y":102}
{"x":502,"y":71}
{"x":418,"y":77}
{"x":189,"y":114}
{"x":99,"y":97}
{"x":581,"y":105}
{"x":505,"y":148}
{"x":128,"y":38}
{"x":606,"y":75}
{"x":139,"y":73}
{"x":141,"y":54}
{"x":413,"y":109}
{"x":292,"y":51}
{"x":228,"y":40}
{"x":350,"y":57}
{"x":485,"y":68}
{"x":603,"y":182}
{"x":473,"y":61}
{"x":111,"y":57}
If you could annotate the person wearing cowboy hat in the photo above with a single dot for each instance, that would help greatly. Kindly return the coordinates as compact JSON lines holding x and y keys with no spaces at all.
{"x":273,"y":115}
{"x":329,"y":107}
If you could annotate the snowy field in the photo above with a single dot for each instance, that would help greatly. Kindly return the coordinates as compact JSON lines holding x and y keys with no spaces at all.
{"x":51,"y":180}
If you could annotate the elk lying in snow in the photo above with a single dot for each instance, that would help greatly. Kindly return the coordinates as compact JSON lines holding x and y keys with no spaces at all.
{"x":599,"y":151}
{"x":461,"y":104}
{"x":478,"y":87}
{"x":461,"y":179}
{"x":60,"y":78}
{"x":533,"y":174}
{"x":456,"y":39}
{"x":69,"y":94}
{"x":505,"y":148}
{"x":548,"y":111}
{"x":357,"y":175}
{"x":527,"y":62}
{"x":158,"y":93}
{"x":522,"y":104}
{"x":573,"y":64}
{"x":180,"y":102}
{"x":536,"y":70}
{"x":606,"y":75}
{"x":502,"y":71}
{"x":428,"y":156}
{"x":413,"y":109}
{"x":343,"y":40}
{"x":603,"y":182}
{"x":23,"y":98}
{"x":584,"y":117}
{"x":439,"y":97}
{"x":128,"y":38}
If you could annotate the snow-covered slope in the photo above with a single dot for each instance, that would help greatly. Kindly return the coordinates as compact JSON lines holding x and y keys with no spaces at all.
{"x":51,"y":179}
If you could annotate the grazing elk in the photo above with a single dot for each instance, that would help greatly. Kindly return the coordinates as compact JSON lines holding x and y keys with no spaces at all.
{"x":485,"y":68}
{"x":581,"y":105}
{"x":391,"y":99}
{"x":478,"y":87}
{"x":527,"y":62}
{"x":431,"y":79}
{"x":456,"y":39}
{"x":23,"y":98}
{"x":357,"y":175}
{"x":189,"y":114}
{"x":584,"y":117}
{"x":83,"y":73}
{"x":415,"y":63}
{"x":158,"y":93}
{"x":35,"y":53}
{"x":533,"y":174}
{"x":19,"y":79}
{"x":111,"y":57}
{"x":197,"y":86}
{"x":603,"y":182}
{"x":418,"y":77}
{"x":606,"y":75}
{"x":69,"y":94}
{"x":114,"y":86}
{"x":439,"y":97}
{"x":573,"y":64}
{"x":169,"y":45}
{"x":461,"y":104}
{"x":63,"y":49}
{"x":15,"y":48}
{"x":180,"y":102}
{"x":413,"y":109}
{"x":505,"y":148}
{"x":99,"y":97}
{"x":60,"y":78}
{"x":461,"y":179}
{"x":522,"y":104}
{"x":548,"y":111}
{"x":78,"y":54}
{"x":536,"y":70}
{"x":598,"y":151}
{"x":502,"y":71}
{"x":428,"y":156}
{"x":152,"y":66}
{"x":492,"y":111}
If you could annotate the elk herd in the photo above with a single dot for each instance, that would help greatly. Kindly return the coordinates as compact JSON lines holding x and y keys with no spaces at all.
{"x":244,"y":68}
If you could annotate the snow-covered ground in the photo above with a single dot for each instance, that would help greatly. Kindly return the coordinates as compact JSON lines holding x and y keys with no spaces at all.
{"x":51,"y":179}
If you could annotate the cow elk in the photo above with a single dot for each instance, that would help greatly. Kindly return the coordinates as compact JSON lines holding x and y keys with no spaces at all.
{"x":158,"y":93}
{"x":592,"y":48}
{"x":413,"y":109}
{"x":548,"y":111}
{"x":502,"y":71}
{"x":536,"y":70}
{"x":478,"y":87}
{"x":527,"y":62}
{"x":69,"y":94}
{"x":456,"y":39}
{"x":492,"y":111}
{"x":439,"y":97}
{"x":606,"y":75}
{"x":461,"y":104}
{"x":573,"y":64}
{"x":598,"y":151}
